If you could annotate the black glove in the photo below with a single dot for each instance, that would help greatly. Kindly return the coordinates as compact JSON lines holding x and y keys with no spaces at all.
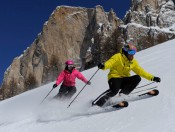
{"x":88,"y":83}
{"x":156,"y":79}
{"x":101,"y":66}
{"x":55,"y":85}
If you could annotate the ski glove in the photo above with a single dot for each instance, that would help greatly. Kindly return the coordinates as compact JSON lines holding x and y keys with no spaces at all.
{"x":101,"y":66}
{"x":55,"y":85}
{"x":88,"y":83}
{"x":156,"y":79}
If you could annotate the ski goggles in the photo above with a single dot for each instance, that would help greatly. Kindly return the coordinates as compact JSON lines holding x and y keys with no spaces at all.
{"x":131,"y":52}
{"x":70,"y":66}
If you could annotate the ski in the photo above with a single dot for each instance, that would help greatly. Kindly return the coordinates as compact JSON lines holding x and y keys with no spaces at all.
{"x":145,"y":95}
{"x":143,"y":90}
{"x":153,"y":92}
{"x":122,"y":104}
{"x":115,"y":103}
{"x":115,"y":106}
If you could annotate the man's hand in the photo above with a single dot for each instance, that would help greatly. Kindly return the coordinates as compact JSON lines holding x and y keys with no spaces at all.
{"x":156,"y":79}
{"x":101,"y":66}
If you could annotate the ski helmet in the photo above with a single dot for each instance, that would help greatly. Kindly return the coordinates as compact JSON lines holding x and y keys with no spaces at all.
{"x":69,"y":62}
{"x":130,"y":49}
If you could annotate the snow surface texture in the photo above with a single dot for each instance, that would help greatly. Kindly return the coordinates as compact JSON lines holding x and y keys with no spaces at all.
{"x":24,"y":113}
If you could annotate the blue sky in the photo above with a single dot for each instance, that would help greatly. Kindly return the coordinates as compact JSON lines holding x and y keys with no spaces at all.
{"x":22,"y":20}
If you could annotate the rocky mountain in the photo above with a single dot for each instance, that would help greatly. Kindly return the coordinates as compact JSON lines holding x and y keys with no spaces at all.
{"x":148,"y":13}
{"x":150,"y":22}
{"x":88,"y":36}
{"x":76,"y":33}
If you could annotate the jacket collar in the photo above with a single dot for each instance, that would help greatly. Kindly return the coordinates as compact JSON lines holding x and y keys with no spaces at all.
{"x":68,"y":71}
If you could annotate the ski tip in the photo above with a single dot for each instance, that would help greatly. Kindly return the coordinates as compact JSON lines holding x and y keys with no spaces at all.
{"x":121,"y":104}
{"x":154,"y":92}
{"x":125,"y":103}
{"x":93,"y":104}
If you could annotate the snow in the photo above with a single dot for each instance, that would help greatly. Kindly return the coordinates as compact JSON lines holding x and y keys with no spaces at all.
{"x":92,"y":40}
{"x":99,"y":27}
{"x":139,"y":1}
{"x":24,"y":113}
{"x":167,"y":30}
{"x":45,"y":24}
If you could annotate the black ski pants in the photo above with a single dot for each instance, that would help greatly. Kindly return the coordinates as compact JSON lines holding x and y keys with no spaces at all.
{"x":126,"y":85}
{"x":66,"y":92}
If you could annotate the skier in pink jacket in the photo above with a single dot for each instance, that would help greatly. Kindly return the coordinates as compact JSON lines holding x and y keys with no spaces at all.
{"x":67,"y":77}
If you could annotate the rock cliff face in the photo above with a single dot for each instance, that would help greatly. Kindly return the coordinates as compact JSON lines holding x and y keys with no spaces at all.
{"x":149,"y":22}
{"x":87,"y":36}
{"x":74,"y":33}
{"x":151,"y":13}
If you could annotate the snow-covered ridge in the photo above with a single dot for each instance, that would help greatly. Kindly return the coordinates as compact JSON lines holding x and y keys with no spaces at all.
{"x":167,"y":30}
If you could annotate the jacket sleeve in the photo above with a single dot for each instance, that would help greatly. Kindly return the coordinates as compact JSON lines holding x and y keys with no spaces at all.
{"x":141,"y":72}
{"x":110,"y":63}
{"x":81,"y":77}
{"x":60,"y":78}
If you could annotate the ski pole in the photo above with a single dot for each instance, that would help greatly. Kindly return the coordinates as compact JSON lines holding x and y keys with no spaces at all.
{"x":143,"y":90}
{"x":144,"y":85}
{"x":81,"y":89}
{"x":47,"y":95}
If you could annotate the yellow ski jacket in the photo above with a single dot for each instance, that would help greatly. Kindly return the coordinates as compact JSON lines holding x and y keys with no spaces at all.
{"x":120,"y":67}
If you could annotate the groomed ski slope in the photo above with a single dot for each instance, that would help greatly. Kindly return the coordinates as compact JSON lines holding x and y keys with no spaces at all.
{"x":23,"y":113}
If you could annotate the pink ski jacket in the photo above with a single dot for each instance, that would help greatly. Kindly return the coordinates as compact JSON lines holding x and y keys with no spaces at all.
{"x":69,"y":78}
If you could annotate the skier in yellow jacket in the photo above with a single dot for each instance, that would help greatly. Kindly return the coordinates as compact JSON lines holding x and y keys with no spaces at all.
{"x":119,"y":78}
